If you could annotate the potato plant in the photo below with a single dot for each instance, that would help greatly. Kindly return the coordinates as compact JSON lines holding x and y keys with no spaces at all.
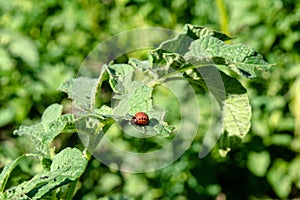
{"x":199,"y":55}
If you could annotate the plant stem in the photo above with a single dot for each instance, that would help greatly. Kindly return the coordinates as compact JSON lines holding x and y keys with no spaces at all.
{"x":223,"y":17}
{"x":71,"y":190}
{"x":53,"y":197}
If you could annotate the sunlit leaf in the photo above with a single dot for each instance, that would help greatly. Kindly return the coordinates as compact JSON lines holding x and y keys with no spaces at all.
{"x":237,"y":115}
{"x":51,"y":113}
{"x":238,"y":57}
{"x":258,"y":163}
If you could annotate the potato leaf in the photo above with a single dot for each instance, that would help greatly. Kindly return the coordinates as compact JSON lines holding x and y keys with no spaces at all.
{"x":237,"y":115}
{"x":67,"y":166}
{"x":43,"y":133}
{"x":239,"y":58}
{"x":197,"y":32}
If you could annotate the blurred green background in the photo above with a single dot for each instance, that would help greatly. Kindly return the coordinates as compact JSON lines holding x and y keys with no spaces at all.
{"x":43,"y":43}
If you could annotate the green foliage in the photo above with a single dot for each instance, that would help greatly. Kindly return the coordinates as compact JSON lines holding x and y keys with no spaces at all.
{"x":282,"y":175}
{"x":66,"y":167}
{"x":133,"y":96}
{"x":239,"y":58}
{"x":43,"y":133}
{"x":42,"y":43}
{"x":258,"y":163}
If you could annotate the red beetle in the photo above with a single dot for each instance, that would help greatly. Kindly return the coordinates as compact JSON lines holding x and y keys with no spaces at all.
{"x":140,"y":118}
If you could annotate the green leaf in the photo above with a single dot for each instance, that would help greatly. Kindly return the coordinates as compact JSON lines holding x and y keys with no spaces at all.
{"x":3,"y":196}
{"x":67,"y":87}
{"x":6,"y":63}
{"x":120,"y":76}
{"x":281,"y":139}
{"x":238,"y":57}
{"x":164,"y":130}
{"x":234,"y":100}
{"x":202,"y":47}
{"x":52,"y":113}
{"x":103,"y":112}
{"x":279,"y":179}
{"x":29,"y":188}
{"x":7,"y":115}
{"x":25,"y":49}
{"x":82,"y":91}
{"x":70,"y":159}
{"x":111,"y":181}
{"x":67,"y":166}
{"x":132,"y":97}
{"x":179,"y":45}
{"x":237,"y":115}
{"x":56,"y":127}
{"x":7,"y":171}
{"x":35,"y":133}
{"x":43,"y":133}
{"x":237,"y":109}
{"x":142,"y":65}
{"x":137,"y":99}
{"x":53,"y":75}
{"x":258,"y":163}
{"x":176,"y":61}
{"x":294,"y":171}
{"x":197,"y":32}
